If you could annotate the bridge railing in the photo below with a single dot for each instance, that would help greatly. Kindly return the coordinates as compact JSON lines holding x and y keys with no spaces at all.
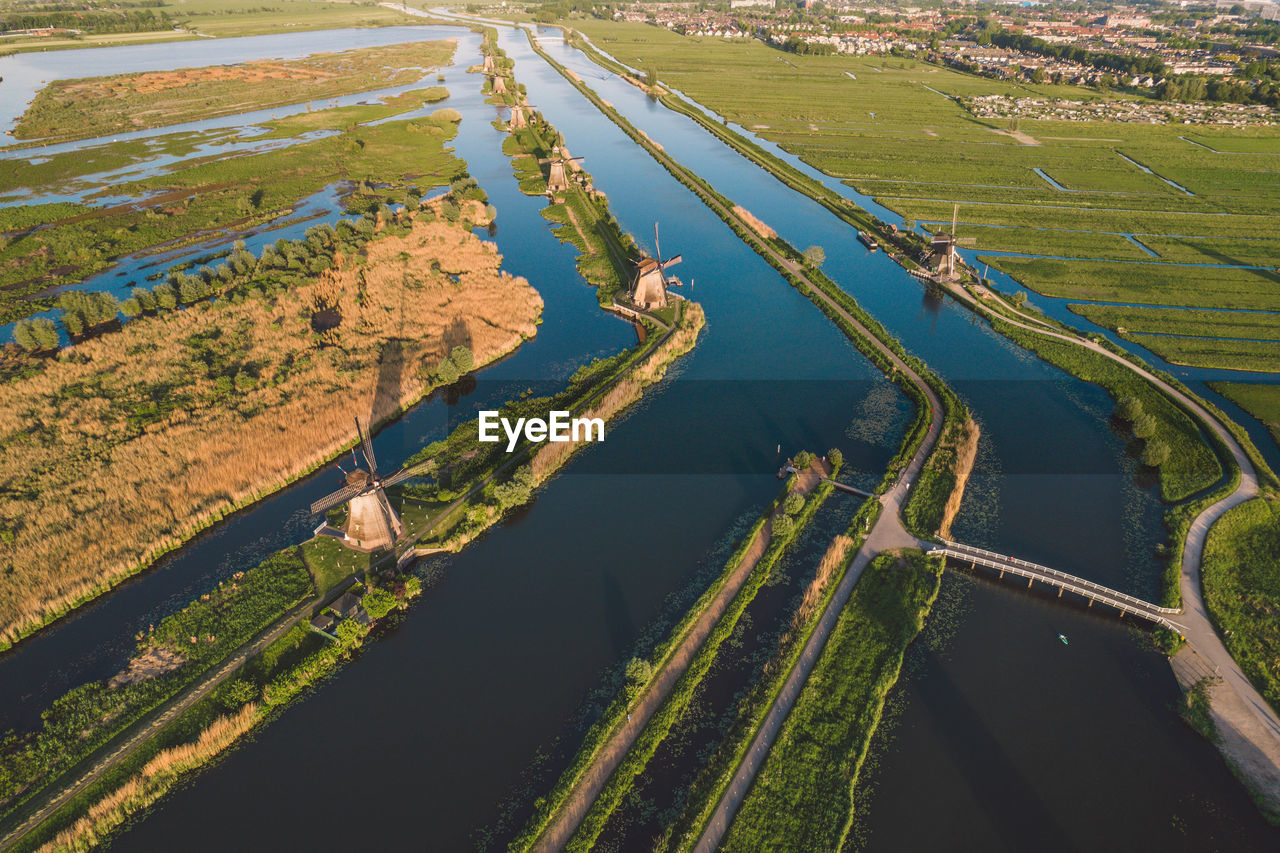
{"x":1107,"y":596}
{"x":1045,"y":570}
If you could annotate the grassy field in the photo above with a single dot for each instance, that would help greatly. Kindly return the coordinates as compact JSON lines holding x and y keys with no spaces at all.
{"x":1234,"y":340}
{"x":801,"y":799}
{"x":1261,"y":401}
{"x":98,"y":106}
{"x":1211,"y":352}
{"x":1242,"y":589}
{"x":897,"y":132}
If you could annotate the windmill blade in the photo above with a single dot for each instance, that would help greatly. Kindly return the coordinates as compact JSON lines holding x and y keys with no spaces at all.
{"x":385,"y":507}
{"x":575,"y":159}
{"x":657,"y":247}
{"x":671,"y":262}
{"x":367,"y":446}
{"x":412,"y":471}
{"x":544,"y":161}
{"x":341,"y":496}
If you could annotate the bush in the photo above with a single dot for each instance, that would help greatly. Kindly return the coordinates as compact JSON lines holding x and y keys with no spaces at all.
{"x":802,"y":460}
{"x":835,"y":457}
{"x":793,"y":504}
{"x":237,"y":694}
{"x":462,"y":357}
{"x":1144,"y":426}
{"x":166,"y":296}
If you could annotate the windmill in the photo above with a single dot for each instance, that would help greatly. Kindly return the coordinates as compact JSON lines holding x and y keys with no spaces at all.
{"x":372,"y":524}
{"x":520,"y":116}
{"x":943,"y":247}
{"x":488,"y":63}
{"x":558,"y":178}
{"x":649,"y":290}
{"x":499,"y":84}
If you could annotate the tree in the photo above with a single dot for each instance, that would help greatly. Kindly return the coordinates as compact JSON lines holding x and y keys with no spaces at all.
{"x":146,"y":298}
{"x":447,"y":372}
{"x":638,"y":673}
{"x":130,"y":307}
{"x":1144,"y":426}
{"x":38,"y":333}
{"x":1128,"y":408}
{"x":835,"y":457}
{"x":462,"y":357}
{"x":166,"y":296}
{"x":378,"y":602}
{"x":1155,"y":453}
{"x":802,"y":460}
{"x":814,"y":256}
{"x":793,"y":504}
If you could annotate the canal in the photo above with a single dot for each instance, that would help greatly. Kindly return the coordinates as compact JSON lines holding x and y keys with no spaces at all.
{"x":432,"y":737}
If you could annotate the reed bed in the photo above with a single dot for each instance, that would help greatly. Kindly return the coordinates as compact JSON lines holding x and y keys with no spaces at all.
{"x":127,"y":444}
{"x":156,"y":777}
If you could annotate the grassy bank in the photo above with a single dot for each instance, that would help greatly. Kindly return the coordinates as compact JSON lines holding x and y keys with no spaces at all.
{"x":804,"y":787}
{"x":1261,"y":401}
{"x":1242,"y":589}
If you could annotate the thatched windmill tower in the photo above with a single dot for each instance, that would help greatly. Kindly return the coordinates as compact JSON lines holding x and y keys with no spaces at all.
{"x":488,"y":63}
{"x":372,"y":525}
{"x":499,"y":84}
{"x":520,"y":115}
{"x":557,"y":177}
{"x":649,"y":287}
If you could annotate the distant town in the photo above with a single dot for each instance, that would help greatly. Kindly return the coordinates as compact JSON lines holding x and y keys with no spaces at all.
{"x":1177,"y":52}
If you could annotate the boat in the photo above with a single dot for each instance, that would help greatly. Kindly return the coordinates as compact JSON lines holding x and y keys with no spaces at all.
{"x":868,"y":241}
{"x":1063,"y":638}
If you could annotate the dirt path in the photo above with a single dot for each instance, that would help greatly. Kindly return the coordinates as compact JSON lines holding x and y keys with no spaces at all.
{"x":577,"y":227}
{"x":608,"y":757}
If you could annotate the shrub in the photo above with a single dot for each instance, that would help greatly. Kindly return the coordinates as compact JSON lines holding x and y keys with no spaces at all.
{"x":447,"y":371}
{"x":166,"y":296}
{"x":146,"y":299}
{"x":462,"y":357}
{"x":835,"y":457}
{"x":783,"y":525}
{"x":793,"y":504}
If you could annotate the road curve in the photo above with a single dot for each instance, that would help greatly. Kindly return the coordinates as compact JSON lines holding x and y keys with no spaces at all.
{"x":1200,"y":632}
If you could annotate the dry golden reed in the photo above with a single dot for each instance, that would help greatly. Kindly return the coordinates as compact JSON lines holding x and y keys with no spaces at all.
{"x":89,"y":498}
{"x":148,"y":785}
{"x":966,"y":453}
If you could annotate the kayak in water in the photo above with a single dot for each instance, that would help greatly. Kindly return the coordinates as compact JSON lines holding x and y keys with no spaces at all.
{"x":1063,"y":638}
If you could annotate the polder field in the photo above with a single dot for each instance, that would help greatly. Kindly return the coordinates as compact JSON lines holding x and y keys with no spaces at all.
{"x":1116,"y":219}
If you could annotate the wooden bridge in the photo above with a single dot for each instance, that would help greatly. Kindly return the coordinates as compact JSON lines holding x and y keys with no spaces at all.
{"x":850,"y":489}
{"x":1063,"y":582}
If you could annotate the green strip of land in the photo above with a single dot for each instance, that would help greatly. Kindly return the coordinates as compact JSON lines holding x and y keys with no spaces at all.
{"x":802,"y":798}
